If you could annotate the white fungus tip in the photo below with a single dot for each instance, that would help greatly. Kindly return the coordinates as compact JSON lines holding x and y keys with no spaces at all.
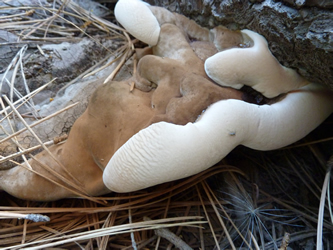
{"x":136,"y":17}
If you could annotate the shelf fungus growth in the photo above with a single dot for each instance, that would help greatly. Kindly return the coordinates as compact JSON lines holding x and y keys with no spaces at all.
{"x":135,"y":136}
{"x":167,"y":87}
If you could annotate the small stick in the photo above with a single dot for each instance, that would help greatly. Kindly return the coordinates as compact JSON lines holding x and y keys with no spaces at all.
{"x":33,"y":217}
{"x":174,"y":239}
{"x":167,"y":234}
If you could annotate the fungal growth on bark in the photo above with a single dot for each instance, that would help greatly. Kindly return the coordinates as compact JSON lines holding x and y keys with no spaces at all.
{"x":166,"y":152}
{"x":129,"y":139}
{"x":167,"y":88}
{"x":258,"y":68}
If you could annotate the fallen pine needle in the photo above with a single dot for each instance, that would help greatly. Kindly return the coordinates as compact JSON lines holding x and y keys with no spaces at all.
{"x":322,"y":205}
{"x":33,"y":217}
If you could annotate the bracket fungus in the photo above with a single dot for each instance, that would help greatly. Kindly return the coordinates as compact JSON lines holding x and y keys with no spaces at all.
{"x":152,"y":134}
{"x":258,"y":68}
{"x":164,"y":152}
{"x":75,"y":168}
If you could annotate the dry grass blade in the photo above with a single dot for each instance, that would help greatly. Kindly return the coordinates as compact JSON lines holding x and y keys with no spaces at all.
{"x":25,"y":98}
{"x":127,"y":228}
{"x":209,"y":193}
{"x":254,"y":241}
{"x":303,"y":175}
{"x":208,"y":219}
{"x":14,"y":140}
{"x":62,"y":21}
{"x":329,"y":201}
{"x":22,"y":152}
{"x":118,"y":54}
{"x":233,"y":183}
{"x":127,"y":54}
{"x":114,"y":213}
{"x":38,"y":122}
{"x":70,"y":188}
{"x":40,"y":142}
{"x":132,"y":233}
{"x":33,"y":217}
{"x":16,"y":63}
{"x":322,"y":205}
{"x":89,"y":72}
{"x":77,"y":27}
{"x":70,"y":182}
{"x":307,"y":216}
{"x":102,"y":23}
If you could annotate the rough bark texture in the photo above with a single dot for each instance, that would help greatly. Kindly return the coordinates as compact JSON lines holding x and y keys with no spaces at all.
{"x":299,"y":32}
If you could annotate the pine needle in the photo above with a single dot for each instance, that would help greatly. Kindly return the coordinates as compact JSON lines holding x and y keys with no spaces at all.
{"x":32,"y":217}
{"x":322,"y":205}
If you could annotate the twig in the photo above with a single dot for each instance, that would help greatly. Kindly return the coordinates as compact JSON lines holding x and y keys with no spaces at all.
{"x":174,"y":239}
